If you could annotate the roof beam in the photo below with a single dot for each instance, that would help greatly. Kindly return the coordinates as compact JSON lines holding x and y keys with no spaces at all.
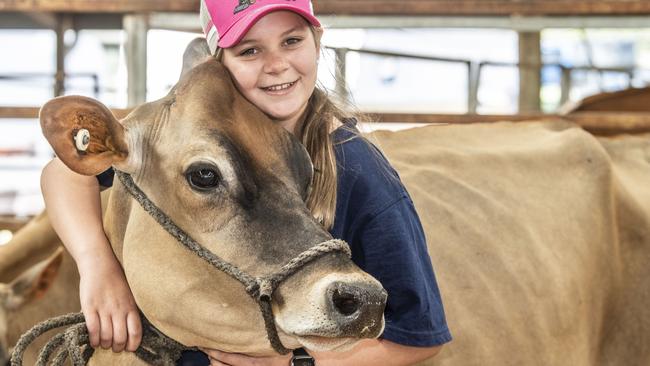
{"x":358,"y":7}
{"x":99,"y":6}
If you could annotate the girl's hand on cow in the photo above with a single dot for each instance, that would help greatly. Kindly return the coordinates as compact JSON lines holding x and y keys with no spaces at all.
{"x":112,"y":317}
{"x":219,"y":358}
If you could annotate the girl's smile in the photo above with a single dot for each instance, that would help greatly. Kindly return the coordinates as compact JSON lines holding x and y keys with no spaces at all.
{"x":280,"y":89}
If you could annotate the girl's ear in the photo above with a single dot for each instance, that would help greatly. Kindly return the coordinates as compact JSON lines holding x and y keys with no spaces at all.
{"x":84,"y":134}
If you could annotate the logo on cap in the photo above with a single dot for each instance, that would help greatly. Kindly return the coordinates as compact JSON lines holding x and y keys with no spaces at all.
{"x":243,"y":5}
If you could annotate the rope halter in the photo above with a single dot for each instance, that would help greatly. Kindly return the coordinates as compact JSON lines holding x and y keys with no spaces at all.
{"x":261,"y":289}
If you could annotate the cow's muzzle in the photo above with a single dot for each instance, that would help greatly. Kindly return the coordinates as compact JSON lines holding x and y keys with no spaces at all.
{"x":356,"y":308}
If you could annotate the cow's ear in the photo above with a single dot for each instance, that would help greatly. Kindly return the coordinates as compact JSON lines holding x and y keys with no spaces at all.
{"x":84,"y":134}
{"x":34,"y":282}
{"x":195,"y":53}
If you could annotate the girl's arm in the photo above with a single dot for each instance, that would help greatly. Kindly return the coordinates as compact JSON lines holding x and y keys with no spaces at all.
{"x":74,"y":209}
{"x":369,"y":352}
{"x":376,"y":352}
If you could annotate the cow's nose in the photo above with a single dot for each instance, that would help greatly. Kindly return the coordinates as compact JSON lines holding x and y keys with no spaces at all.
{"x":357,"y":308}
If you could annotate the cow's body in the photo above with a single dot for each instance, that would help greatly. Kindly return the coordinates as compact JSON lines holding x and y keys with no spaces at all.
{"x":46,"y":289}
{"x":539,"y":237}
{"x":626,"y":100}
{"x":31,"y":244}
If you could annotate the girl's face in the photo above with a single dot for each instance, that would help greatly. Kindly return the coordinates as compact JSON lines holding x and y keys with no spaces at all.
{"x":275,"y":66}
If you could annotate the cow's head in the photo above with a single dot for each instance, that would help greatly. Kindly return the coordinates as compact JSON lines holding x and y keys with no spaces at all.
{"x":27,"y":287}
{"x":235,"y":181}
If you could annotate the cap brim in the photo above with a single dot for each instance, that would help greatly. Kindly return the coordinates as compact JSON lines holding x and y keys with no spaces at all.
{"x":239,"y":29}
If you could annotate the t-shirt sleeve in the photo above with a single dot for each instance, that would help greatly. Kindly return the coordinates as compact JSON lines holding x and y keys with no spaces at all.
{"x":396,"y":254}
{"x":105,"y":178}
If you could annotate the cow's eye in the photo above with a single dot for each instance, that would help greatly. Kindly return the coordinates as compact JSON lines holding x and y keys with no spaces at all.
{"x":203,"y":177}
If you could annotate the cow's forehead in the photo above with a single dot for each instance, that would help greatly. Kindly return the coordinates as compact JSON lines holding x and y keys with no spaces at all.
{"x":205,"y":116}
{"x":208,"y":106}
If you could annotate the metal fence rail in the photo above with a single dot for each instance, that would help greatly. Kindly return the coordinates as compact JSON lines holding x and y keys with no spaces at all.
{"x":35,"y":76}
{"x":474,"y":70}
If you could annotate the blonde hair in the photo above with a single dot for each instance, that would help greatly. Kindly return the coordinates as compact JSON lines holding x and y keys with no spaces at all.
{"x":314,"y":133}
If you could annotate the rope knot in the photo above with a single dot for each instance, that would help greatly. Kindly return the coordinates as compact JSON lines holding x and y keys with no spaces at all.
{"x":266,"y":290}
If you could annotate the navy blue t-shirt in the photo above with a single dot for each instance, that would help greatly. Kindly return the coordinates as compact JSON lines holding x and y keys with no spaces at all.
{"x":376,"y":217}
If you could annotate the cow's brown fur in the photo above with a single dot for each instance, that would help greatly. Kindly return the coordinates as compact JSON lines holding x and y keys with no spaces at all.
{"x":626,"y":100}
{"x":47,"y":289}
{"x":540,"y":238}
{"x":31,"y":244}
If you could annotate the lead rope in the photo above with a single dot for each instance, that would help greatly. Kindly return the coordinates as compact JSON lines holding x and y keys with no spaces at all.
{"x":156,"y":348}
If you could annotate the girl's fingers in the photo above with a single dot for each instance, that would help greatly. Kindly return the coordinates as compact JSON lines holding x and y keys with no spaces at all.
{"x":105,"y":331}
{"x":212,"y":353}
{"x":119,"y":332}
{"x":226,"y":358}
{"x":214,"y":362}
{"x":92,"y":323}
{"x":134,"y":326}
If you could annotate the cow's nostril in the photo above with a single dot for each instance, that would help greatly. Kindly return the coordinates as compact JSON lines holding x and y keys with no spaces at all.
{"x":345,"y":303}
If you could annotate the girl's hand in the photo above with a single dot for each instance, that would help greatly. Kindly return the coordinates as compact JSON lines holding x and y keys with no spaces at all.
{"x":218,"y":358}
{"x":112,"y":317}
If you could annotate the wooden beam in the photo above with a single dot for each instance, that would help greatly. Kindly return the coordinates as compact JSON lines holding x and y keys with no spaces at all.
{"x":136,"y":26}
{"x":32,"y":112}
{"x":63,"y":23}
{"x":100,"y":6}
{"x":357,"y":7}
{"x":481,"y":7}
{"x":600,"y":123}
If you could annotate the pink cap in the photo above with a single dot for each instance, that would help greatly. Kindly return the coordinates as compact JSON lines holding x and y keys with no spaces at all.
{"x":225,"y":22}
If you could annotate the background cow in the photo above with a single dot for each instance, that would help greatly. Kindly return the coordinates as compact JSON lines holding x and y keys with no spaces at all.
{"x":540,"y":237}
{"x":46,"y":289}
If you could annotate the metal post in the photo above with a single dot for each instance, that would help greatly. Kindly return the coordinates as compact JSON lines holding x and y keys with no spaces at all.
{"x":630,"y":79}
{"x":565,"y":85}
{"x":473,"y":80}
{"x":530,"y":82}
{"x":341,"y":67}
{"x":136,"y":26}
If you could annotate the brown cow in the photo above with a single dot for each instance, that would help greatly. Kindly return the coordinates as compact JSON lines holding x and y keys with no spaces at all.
{"x":48,"y":288}
{"x":251,"y":215}
{"x":540,"y":235}
{"x":31,"y":244}
{"x":626,"y":100}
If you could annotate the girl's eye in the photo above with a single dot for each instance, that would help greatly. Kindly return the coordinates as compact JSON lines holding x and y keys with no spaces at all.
{"x":293,"y":40}
{"x":203,"y":178}
{"x":248,"y":52}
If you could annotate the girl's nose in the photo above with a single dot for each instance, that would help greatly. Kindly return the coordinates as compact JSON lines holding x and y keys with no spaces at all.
{"x":275,"y":63}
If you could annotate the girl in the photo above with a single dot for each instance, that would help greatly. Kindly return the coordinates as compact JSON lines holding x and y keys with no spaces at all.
{"x":271,"y":48}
